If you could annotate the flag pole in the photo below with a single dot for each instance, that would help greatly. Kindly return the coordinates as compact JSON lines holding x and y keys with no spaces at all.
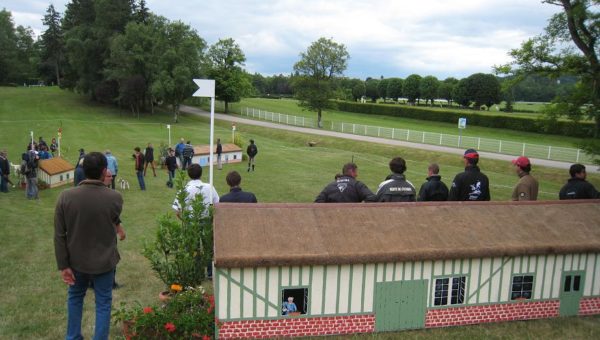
{"x":211,"y":152}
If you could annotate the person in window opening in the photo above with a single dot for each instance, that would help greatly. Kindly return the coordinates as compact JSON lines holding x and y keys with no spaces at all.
{"x":289,"y":306}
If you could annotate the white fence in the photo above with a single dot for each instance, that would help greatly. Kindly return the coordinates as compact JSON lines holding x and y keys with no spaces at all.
{"x":279,"y":117}
{"x":481,"y":144}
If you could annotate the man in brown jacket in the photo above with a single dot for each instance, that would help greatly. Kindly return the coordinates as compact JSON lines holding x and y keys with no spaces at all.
{"x":527,"y":187}
{"x":85,"y":244}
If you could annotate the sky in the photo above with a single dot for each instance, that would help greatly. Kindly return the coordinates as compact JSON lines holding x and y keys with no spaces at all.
{"x":385,"y":38}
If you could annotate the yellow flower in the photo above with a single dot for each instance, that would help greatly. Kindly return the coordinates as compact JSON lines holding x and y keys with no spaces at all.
{"x":176,"y":287}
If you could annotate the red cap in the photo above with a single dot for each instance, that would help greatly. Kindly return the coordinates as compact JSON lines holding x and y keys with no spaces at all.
{"x":471,"y":154}
{"x":521,"y":161}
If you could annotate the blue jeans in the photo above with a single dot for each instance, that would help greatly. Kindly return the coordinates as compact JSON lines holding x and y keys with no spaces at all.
{"x":187,"y":161}
{"x":32,"y":189}
{"x":140,"y":177}
{"x":171,"y":176}
{"x":103,"y":284}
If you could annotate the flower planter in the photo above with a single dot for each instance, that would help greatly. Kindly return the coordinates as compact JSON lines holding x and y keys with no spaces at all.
{"x":165,"y":296}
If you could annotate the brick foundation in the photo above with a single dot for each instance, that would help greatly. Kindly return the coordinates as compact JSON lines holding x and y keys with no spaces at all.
{"x":589,"y":306}
{"x":491,"y":313}
{"x":297,"y":326}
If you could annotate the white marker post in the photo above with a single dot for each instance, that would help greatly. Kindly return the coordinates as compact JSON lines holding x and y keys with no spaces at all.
{"x":31,"y":134}
{"x":59,"y":138}
{"x":206,"y":88}
{"x":462,"y":124}
{"x":169,"y":128}
{"x":233,"y":133}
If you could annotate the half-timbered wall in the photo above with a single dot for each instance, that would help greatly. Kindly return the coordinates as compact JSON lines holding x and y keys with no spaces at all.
{"x":337,"y":290}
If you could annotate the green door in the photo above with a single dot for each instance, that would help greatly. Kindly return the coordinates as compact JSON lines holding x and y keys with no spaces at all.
{"x":400,"y":305}
{"x":571,"y":290}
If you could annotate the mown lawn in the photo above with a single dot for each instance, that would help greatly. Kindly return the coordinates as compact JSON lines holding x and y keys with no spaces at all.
{"x":33,"y":296}
{"x":290,"y":106}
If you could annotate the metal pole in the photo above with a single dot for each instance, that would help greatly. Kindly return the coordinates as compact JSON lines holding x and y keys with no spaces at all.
{"x":211,"y":152}
{"x":169,"y":127}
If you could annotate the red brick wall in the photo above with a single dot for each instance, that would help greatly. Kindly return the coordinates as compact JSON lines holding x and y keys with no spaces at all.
{"x":297,"y":326}
{"x":491,"y":313}
{"x":589,"y":306}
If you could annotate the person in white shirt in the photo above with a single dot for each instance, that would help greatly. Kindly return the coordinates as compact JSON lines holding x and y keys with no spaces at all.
{"x":196,"y":187}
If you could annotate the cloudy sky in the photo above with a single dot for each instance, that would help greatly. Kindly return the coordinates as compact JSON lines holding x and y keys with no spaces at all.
{"x":384,"y":37}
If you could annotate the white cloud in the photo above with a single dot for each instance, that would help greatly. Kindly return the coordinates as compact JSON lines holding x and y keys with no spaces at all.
{"x":383,"y":36}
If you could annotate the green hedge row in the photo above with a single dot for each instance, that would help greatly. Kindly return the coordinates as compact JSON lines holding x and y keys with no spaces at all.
{"x":565,"y":128}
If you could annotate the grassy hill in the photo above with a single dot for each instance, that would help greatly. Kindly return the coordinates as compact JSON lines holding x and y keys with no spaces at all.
{"x":33,"y":299}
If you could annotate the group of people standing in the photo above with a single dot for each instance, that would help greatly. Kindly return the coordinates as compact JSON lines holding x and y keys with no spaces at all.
{"x":470,"y":185}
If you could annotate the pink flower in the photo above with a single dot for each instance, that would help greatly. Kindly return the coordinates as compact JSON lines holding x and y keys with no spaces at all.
{"x":148,"y":310}
{"x":170,"y":327}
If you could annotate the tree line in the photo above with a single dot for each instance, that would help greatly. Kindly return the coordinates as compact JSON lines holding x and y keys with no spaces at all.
{"x":121,"y":53}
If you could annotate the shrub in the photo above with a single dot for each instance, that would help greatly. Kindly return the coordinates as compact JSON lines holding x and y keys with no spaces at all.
{"x":182,"y":248}
{"x":187,"y":315}
{"x":564,"y":128}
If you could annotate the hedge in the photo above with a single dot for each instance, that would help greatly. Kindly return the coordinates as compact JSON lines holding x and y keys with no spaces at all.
{"x":565,"y":128}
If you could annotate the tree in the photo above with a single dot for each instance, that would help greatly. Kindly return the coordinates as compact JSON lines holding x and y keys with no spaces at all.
{"x":18,"y":54}
{"x":428,"y":87}
{"x":323,"y":60}
{"x":382,"y":88}
{"x":446,"y":89}
{"x":52,"y":42}
{"x":411,"y":88}
{"x":394,"y":88}
{"x":483,"y":89}
{"x":372,"y":89}
{"x":569,"y":46}
{"x":461,"y":93}
{"x":182,"y":53}
{"x":358,"y":90}
{"x":226,"y":59}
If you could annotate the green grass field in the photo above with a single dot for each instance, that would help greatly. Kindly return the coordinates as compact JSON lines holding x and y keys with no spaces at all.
{"x":33,"y":299}
{"x":290,"y":106}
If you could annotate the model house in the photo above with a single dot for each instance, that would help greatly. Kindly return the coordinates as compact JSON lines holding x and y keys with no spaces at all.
{"x":231,"y":154}
{"x":361,"y":268}
{"x":56,"y":171}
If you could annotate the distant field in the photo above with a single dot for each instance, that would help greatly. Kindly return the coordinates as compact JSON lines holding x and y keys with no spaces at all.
{"x":290,"y":106}
{"x":33,"y":296}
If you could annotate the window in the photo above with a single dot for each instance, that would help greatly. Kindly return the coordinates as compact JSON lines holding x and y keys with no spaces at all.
{"x":294,"y":301}
{"x":522,"y":286}
{"x":61,"y":178}
{"x":68,"y":176}
{"x":449,"y":289}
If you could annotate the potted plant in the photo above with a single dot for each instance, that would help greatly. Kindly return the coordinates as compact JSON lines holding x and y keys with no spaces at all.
{"x":182,"y":249}
{"x":188,"y":315}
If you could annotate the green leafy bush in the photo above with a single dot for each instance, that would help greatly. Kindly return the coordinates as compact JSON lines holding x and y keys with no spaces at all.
{"x":182,"y":248}
{"x":565,"y":128}
{"x":187,"y":315}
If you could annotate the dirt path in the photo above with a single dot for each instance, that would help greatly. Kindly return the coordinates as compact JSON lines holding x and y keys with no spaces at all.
{"x":436,"y":148}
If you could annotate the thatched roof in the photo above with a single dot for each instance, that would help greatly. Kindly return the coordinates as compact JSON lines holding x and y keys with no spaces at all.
{"x":55,"y":166}
{"x":203,"y":149}
{"x":248,"y":235}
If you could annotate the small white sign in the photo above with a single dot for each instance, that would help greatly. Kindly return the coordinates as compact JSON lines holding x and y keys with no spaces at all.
{"x":206,"y":88}
{"x":462,"y":123}
{"x":168,"y":126}
{"x":233,"y":127}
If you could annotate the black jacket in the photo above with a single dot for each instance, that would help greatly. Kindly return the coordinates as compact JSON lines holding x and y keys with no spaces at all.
{"x":345,"y":190}
{"x":219,"y":149}
{"x":396,"y":188}
{"x":237,"y":195}
{"x":577,"y":188}
{"x":252,"y":150}
{"x":471,"y":185}
{"x":171,"y":163}
{"x":188,"y":151}
{"x":4,"y":167}
{"x":149,"y":154}
{"x":433,"y":190}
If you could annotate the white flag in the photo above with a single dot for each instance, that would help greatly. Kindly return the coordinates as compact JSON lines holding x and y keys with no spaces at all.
{"x":206,"y":88}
